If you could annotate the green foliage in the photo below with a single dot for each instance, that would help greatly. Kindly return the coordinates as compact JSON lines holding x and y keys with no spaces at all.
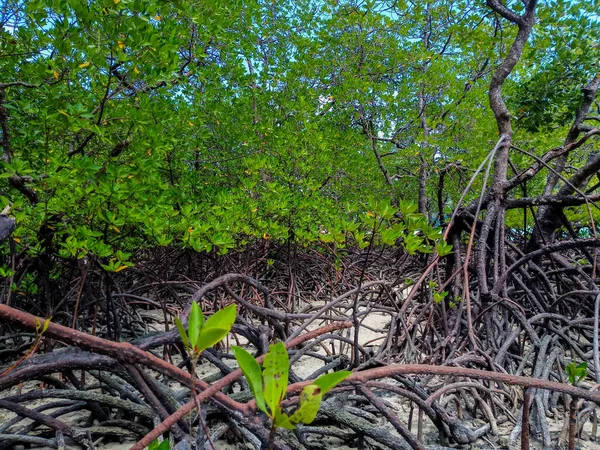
{"x":566,"y":55}
{"x":6,"y":272}
{"x":328,"y":381}
{"x":275,"y":375}
{"x":310,"y":402}
{"x":211,"y":126}
{"x":576,"y":372}
{"x":269,"y":386}
{"x":438,"y":297}
{"x":203,"y":334}
{"x":130,"y":142}
{"x":386,"y":225}
{"x":155,"y":445}
{"x":253,"y":374}
{"x":41,"y":329}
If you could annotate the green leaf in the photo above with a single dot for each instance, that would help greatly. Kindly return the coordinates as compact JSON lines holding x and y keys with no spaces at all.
{"x":442,"y":248}
{"x":570,"y":369}
{"x":310,"y":402}
{"x":164,"y":445}
{"x":275,"y":375}
{"x":47,"y":324}
{"x":253,"y":374}
{"x":576,"y":372}
{"x":216,"y":328}
{"x":182,"y":333}
{"x":581,"y":371}
{"x":331,"y":380}
{"x":282,"y":420}
{"x":195,"y":324}
{"x":438,"y":297}
{"x":225,"y":318}
{"x":209,"y":337}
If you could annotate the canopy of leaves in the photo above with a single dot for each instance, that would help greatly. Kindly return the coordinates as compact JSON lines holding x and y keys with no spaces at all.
{"x":129,"y":124}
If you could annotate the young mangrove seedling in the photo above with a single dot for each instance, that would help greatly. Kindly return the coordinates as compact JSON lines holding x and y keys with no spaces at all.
{"x":576,"y":372}
{"x":39,"y":332}
{"x":269,"y":385}
{"x":202,"y":334}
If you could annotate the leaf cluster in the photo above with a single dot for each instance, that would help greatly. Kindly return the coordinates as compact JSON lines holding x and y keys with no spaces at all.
{"x":269,"y":386}
{"x":202,"y":334}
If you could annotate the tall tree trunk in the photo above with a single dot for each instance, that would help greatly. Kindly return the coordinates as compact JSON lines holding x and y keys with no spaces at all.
{"x":423,"y":121}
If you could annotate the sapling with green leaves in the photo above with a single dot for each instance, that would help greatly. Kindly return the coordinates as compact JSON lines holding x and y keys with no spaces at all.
{"x":576,"y":372}
{"x":269,"y":385}
{"x":40,"y":329}
{"x":202,"y":334}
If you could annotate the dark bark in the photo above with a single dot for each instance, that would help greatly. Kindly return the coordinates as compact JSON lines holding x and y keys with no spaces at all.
{"x":7,"y":226}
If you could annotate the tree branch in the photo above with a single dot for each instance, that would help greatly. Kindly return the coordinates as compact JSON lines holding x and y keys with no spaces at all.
{"x":505,"y":12}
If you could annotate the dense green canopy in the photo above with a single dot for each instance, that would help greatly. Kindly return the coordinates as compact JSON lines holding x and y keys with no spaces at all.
{"x":130,"y":124}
